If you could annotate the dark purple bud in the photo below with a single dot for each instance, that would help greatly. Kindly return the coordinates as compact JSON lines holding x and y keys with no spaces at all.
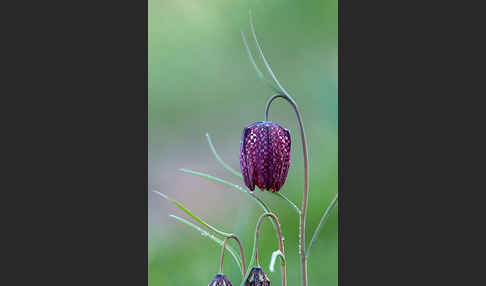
{"x":265,"y":155}
{"x":220,"y":280}
{"x":257,"y":278}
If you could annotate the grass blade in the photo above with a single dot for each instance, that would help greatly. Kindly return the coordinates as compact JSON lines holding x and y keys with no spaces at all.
{"x":321,"y":223}
{"x":226,"y":166}
{"x":278,"y":194}
{"x":187,"y":211}
{"x":255,"y":66}
{"x":264,"y":207}
{"x":234,"y":186}
{"x":280,"y":87}
{"x":212,"y":237}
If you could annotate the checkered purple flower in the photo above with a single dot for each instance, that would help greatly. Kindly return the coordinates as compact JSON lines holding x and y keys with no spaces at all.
{"x":265,"y":155}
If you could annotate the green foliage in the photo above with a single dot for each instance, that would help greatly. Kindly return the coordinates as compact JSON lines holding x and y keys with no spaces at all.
{"x":195,"y":217}
{"x":199,"y":76}
{"x":212,"y":237}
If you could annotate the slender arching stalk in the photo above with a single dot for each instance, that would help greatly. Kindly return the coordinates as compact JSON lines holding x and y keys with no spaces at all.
{"x":280,"y":244}
{"x":284,"y":94}
{"x":242,"y":253}
{"x":303,"y":214}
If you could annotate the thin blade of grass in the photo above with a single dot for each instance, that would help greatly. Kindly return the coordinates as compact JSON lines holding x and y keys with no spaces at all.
{"x":264,"y":207}
{"x":321,"y":223}
{"x":226,"y":166}
{"x":234,"y":186}
{"x":267,"y":65}
{"x":255,"y":66}
{"x":198,"y":219}
{"x":296,"y":208}
{"x":212,"y":237}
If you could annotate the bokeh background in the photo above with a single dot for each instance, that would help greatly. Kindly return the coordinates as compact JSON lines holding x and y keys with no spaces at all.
{"x":200,"y":80}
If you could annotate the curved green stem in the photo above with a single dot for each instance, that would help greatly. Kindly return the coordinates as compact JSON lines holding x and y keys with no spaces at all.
{"x":285,"y":95}
{"x":254,"y":256}
{"x":242,"y":254}
{"x":303,"y":214}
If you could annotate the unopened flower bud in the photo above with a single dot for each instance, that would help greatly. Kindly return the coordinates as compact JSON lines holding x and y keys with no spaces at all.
{"x":220,"y":280}
{"x":257,"y":278}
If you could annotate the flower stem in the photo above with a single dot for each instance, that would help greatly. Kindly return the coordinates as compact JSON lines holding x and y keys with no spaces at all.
{"x":303,"y":258}
{"x":242,"y":254}
{"x":280,"y":244}
{"x":284,"y":94}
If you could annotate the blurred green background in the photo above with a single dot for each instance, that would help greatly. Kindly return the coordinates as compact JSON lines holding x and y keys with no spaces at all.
{"x":200,"y":80}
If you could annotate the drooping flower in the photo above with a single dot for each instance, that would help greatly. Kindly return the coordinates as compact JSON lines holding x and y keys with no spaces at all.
{"x":265,"y":155}
{"x":257,"y":278}
{"x":220,"y":280}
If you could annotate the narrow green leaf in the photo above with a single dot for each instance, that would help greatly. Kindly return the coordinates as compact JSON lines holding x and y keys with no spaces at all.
{"x":199,"y":220}
{"x":255,"y":66}
{"x":267,"y":65}
{"x":234,"y":186}
{"x":226,"y":166}
{"x":278,"y":194}
{"x":321,"y":223}
{"x":212,"y":237}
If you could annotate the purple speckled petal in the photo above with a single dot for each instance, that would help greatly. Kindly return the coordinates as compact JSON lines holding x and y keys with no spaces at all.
{"x":285,"y":157}
{"x":276,"y":165}
{"x":244,"y":162}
